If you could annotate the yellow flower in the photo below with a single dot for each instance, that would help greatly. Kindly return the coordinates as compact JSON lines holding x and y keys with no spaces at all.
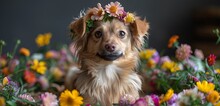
{"x":151,"y":63}
{"x":40,"y":67}
{"x":129,"y":18}
{"x":217,"y":104}
{"x":213,"y":97}
{"x":2,"y":101}
{"x":170,"y":65}
{"x":148,"y":53}
{"x":217,"y":71}
{"x":25,"y":52}
{"x":205,"y":86}
{"x":57,"y":73}
{"x":3,"y":62}
{"x":167,"y":96}
{"x":49,"y":55}
{"x":68,"y":98}
{"x":5,"y":81}
{"x":43,"y":39}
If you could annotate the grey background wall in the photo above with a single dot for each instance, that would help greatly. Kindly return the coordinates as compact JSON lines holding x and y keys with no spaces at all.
{"x":25,"y":19}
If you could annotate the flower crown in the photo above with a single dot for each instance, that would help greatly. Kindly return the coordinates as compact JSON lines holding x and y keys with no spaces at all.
{"x":112,"y":10}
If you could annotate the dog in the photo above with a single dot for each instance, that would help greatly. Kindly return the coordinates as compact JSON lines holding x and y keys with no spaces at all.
{"x":108,"y":55}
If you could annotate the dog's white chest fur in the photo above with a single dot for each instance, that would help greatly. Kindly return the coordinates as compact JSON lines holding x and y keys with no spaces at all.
{"x":107,"y":83}
{"x":106,"y":75}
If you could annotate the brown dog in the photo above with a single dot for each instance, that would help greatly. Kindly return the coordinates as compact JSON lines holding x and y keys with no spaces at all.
{"x":108,"y":56}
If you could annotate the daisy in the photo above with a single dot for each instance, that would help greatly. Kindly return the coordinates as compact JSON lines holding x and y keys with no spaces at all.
{"x":68,"y":98}
{"x":114,"y":9}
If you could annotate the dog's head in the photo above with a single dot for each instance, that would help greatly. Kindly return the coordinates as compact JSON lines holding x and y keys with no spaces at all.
{"x":107,"y":39}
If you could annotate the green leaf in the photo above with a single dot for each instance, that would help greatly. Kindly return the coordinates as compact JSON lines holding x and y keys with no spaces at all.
{"x":89,"y":25}
{"x":11,"y":103}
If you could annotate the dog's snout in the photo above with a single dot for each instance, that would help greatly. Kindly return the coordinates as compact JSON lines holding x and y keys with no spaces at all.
{"x":110,"y":47}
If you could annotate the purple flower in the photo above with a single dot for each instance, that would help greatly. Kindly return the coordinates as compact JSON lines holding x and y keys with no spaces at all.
{"x":191,"y":64}
{"x":172,"y":100}
{"x":156,"y":57}
{"x":122,"y":16}
{"x":164,"y":59}
{"x":126,"y":100}
{"x":155,"y":99}
{"x":140,"y":102}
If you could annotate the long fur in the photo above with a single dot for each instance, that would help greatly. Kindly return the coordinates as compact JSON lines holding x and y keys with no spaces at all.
{"x":104,"y":81}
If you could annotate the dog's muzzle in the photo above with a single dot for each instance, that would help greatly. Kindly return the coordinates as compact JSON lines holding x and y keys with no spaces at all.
{"x":109,"y":56}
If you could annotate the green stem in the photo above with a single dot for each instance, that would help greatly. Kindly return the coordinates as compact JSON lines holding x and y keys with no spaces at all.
{"x":2,"y":43}
{"x":15,"y":48}
{"x":0,"y":50}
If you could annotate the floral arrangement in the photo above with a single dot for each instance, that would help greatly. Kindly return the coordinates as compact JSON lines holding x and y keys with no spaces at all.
{"x":112,"y":10}
{"x":185,"y":79}
{"x":37,"y":78}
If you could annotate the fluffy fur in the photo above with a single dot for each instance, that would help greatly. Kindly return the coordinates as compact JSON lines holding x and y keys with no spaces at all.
{"x":105,"y":79}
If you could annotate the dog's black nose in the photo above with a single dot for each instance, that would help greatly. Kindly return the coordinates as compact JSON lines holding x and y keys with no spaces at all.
{"x":110,"y":47}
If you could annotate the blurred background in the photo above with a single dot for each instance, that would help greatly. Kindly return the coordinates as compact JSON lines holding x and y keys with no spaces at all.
{"x":192,"y":20}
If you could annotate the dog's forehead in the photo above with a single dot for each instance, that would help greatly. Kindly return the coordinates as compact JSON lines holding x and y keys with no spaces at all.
{"x":113,"y":24}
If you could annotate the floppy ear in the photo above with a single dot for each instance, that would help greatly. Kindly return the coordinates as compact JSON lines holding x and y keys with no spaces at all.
{"x":78,"y":27}
{"x":139,"y":29}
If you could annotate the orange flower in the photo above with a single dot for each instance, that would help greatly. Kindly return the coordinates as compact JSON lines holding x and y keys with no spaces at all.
{"x":29,"y":77}
{"x":6,"y":71}
{"x":51,"y":54}
{"x":25,"y":52}
{"x":172,"y":40}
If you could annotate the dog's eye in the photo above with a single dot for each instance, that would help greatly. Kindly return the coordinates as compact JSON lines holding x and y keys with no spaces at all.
{"x":98,"y":34}
{"x":122,"y":34}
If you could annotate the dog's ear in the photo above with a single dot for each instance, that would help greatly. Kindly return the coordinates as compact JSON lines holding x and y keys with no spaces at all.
{"x":139,"y":27}
{"x":78,"y":27}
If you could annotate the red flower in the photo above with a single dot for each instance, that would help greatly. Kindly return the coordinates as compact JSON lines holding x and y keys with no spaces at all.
{"x":30,"y":77}
{"x":211,"y":59}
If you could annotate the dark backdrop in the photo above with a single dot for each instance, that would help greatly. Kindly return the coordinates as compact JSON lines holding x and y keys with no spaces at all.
{"x":25,"y":19}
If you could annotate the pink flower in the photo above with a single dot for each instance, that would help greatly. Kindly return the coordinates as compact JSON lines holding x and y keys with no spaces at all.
{"x":122,"y":16}
{"x":99,"y":13}
{"x":12,"y":64}
{"x":183,"y":52}
{"x":155,"y":99}
{"x":26,"y":97}
{"x":49,"y":99}
{"x":43,"y":82}
{"x":126,"y":100}
{"x":114,"y":9}
{"x":140,"y":102}
{"x":198,"y":53}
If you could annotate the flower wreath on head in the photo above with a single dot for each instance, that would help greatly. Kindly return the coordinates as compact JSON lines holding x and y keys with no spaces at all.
{"x":112,"y":10}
